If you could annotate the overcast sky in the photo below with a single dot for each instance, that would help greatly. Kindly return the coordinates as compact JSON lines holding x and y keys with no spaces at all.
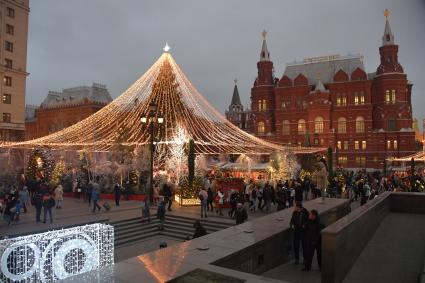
{"x":77,"y":42}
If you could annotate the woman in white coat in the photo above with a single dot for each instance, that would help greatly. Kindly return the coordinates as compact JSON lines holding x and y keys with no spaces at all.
{"x":59,"y":196}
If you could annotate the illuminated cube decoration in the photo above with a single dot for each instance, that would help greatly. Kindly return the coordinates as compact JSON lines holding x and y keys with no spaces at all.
{"x":58,"y":254}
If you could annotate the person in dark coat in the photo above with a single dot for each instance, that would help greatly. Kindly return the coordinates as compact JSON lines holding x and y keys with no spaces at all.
{"x":298,"y":191}
{"x":240,"y":214}
{"x":280,"y":199}
{"x":9,"y":211}
{"x":298,"y":223}
{"x":48,"y":204}
{"x":117,"y":193}
{"x":168,"y":195}
{"x":210,"y":199}
{"x":233,"y":203}
{"x":313,"y":228}
{"x":199,"y":230}
{"x":89,"y":190}
{"x":362,"y":192}
{"x":37,"y":202}
{"x":160,"y":214}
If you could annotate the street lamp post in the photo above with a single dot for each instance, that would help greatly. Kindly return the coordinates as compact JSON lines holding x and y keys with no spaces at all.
{"x":151,"y":119}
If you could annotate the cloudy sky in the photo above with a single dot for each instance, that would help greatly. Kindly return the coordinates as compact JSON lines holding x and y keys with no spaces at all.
{"x":115,"y":41}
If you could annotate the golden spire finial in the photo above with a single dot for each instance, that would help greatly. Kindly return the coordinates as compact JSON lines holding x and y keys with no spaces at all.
{"x":387,"y":13}
{"x":264,"y":34}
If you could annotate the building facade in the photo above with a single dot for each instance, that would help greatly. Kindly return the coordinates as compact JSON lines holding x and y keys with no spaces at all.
{"x":63,"y":109}
{"x":13,"y":57}
{"x":332,"y":102}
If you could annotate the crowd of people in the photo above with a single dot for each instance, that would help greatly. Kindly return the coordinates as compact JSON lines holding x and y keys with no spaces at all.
{"x":43,"y":198}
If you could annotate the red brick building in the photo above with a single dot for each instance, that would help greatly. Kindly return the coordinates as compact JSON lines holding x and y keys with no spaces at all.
{"x":63,"y":109}
{"x":332,"y":102}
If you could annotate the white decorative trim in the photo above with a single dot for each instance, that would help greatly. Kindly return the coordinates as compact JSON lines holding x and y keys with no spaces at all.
{"x":58,"y":254}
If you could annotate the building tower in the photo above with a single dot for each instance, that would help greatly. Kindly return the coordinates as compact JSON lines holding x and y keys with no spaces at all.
{"x":262,"y":95}
{"x":235,"y":113}
{"x":13,"y":66}
{"x":392,"y":113}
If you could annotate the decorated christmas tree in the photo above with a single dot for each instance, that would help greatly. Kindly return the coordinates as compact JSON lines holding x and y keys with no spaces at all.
{"x":40,"y":164}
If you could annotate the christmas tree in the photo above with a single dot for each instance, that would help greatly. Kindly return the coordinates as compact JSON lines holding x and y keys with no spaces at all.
{"x":40,"y":164}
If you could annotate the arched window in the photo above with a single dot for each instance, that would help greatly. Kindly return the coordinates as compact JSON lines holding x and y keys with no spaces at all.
{"x":301,"y":127}
{"x":264,"y":105}
{"x":359,"y":124}
{"x":261,"y":128}
{"x":392,"y":124}
{"x":342,"y":125}
{"x":285,"y":127}
{"x":318,"y":125}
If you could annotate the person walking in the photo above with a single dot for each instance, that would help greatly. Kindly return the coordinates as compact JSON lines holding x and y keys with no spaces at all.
{"x":9,"y":210}
{"x":210,"y":200}
{"x":322,"y":178}
{"x":233,"y":203}
{"x":146,"y":214}
{"x":313,"y":240}
{"x":59,"y":196}
{"x":37,"y":202}
{"x":203,"y":197}
{"x":298,"y":222}
{"x":161,"y":215}
{"x":240,"y":214}
{"x":220,"y":202}
{"x":260,"y":192}
{"x":48,"y":204}
{"x":253,"y":199}
{"x":89,"y":190}
{"x":362,"y":191}
{"x":117,"y":193}
{"x":306,"y":187}
{"x":199,"y":229}
{"x":267,"y":196}
{"x":95,"y":196}
{"x":24,"y":196}
{"x":168,"y":194}
{"x":299,"y":191}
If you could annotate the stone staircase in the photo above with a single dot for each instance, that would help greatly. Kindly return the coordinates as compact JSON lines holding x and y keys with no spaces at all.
{"x":175,"y":227}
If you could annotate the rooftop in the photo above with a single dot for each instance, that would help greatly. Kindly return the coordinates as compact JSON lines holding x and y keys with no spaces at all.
{"x":323,"y":68}
{"x":76,"y":95}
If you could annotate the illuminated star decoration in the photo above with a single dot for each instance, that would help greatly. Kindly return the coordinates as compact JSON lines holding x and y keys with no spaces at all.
{"x":166,"y":47}
{"x":178,"y":102}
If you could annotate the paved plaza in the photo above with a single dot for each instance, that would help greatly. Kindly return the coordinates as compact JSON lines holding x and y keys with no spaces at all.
{"x":76,"y":212}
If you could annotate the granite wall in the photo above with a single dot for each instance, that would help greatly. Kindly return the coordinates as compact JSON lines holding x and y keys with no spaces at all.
{"x":276,"y":249}
{"x":344,"y":241}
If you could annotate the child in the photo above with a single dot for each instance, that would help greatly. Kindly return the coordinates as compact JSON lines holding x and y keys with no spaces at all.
{"x":145,"y":211}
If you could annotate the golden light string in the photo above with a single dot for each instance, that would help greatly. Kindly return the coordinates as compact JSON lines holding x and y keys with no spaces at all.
{"x":178,"y":101}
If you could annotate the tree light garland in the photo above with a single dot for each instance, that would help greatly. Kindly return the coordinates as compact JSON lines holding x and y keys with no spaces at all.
{"x":179,"y":103}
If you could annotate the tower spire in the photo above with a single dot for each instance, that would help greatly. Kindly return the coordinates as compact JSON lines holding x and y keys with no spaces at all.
{"x":236,"y":100}
{"x":388,"y":37}
{"x":265,"y":54}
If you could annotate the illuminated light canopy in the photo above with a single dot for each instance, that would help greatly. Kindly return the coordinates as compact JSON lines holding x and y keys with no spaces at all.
{"x":177,"y":104}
